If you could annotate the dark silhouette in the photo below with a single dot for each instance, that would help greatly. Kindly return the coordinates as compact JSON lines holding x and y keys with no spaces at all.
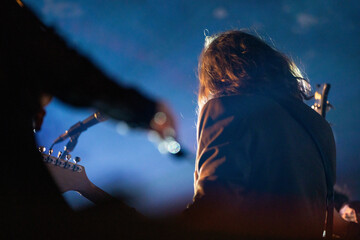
{"x":35,"y":62}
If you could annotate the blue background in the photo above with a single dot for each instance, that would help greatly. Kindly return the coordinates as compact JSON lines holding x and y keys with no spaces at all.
{"x":154,"y":46}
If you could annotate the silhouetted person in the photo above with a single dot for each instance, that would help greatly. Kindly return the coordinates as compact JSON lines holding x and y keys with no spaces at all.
{"x":35,"y":61}
{"x":258,"y":171}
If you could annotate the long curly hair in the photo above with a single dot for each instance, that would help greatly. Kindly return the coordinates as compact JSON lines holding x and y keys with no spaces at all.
{"x":236,"y":62}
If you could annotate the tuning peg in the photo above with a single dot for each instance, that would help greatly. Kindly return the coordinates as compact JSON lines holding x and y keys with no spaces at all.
{"x":68,"y":157}
{"x":42,"y":149}
{"x":329,"y":106}
{"x":77,"y":159}
{"x":59,"y":154}
{"x":51,"y":151}
{"x":315,"y":106}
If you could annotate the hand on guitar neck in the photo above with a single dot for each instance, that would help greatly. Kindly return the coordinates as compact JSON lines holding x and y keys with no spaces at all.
{"x":70,"y":176}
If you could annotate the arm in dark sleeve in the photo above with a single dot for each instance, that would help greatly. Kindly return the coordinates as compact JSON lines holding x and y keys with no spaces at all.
{"x":51,"y":66}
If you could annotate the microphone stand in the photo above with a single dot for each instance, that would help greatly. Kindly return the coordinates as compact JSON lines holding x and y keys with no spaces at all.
{"x":70,"y":145}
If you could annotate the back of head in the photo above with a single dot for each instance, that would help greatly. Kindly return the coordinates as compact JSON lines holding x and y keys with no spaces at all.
{"x":236,"y":62}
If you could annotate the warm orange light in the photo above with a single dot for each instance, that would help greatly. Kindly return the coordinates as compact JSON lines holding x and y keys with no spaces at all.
{"x":20,"y":3}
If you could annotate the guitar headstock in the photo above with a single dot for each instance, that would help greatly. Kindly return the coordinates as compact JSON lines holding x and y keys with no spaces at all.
{"x":321,"y":104}
{"x":67,"y":173}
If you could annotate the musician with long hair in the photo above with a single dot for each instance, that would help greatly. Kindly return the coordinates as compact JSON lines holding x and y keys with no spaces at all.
{"x":258,"y":171}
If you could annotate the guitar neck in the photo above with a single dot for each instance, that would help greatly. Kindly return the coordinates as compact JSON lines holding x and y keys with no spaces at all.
{"x":95,"y":194}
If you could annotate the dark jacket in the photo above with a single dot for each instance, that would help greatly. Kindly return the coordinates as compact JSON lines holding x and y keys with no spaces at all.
{"x":258,"y":172}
